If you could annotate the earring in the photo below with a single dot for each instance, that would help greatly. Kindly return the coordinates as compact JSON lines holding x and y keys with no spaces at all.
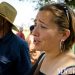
{"x":62,"y":45}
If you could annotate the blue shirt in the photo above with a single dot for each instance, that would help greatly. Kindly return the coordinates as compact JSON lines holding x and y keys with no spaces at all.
{"x":14,"y":55}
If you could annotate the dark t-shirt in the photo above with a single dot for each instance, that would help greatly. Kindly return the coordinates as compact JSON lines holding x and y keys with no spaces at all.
{"x":21,"y":35}
{"x":14,"y":55}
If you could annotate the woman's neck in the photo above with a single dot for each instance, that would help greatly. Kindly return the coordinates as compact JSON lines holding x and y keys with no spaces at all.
{"x":53,"y":54}
{"x":50,"y":59}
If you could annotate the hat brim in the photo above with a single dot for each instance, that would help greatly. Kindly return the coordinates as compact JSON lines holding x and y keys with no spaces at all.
{"x":13,"y":26}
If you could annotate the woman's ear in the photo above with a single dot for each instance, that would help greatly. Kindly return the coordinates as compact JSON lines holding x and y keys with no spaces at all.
{"x":66,"y":34}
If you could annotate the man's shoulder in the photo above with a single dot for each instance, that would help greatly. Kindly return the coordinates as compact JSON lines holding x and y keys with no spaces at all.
{"x":18,"y":40}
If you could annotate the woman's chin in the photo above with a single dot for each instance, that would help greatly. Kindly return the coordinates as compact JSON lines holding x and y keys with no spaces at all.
{"x":37,"y":48}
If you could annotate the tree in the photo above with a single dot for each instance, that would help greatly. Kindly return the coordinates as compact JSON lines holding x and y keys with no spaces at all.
{"x":70,"y":2}
{"x":42,"y":2}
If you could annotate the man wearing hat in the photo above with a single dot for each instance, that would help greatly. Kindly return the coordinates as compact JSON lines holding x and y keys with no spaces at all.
{"x":14,"y":52}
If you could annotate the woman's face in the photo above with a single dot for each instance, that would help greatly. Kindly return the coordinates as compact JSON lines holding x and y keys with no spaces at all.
{"x":46,"y":34}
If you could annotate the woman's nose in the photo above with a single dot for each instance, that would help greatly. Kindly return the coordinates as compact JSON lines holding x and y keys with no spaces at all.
{"x":35,"y":31}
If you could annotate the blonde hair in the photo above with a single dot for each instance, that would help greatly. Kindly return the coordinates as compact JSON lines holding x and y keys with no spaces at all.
{"x":64,"y":18}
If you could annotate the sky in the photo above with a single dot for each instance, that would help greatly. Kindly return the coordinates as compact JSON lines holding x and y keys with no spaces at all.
{"x":25,"y":12}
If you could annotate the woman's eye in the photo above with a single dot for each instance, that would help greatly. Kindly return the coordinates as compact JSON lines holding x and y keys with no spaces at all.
{"x":43,"y":27}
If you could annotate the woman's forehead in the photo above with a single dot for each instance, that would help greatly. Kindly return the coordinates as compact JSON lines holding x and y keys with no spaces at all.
{"x":43,"y":16}
{"x":44,"y":13}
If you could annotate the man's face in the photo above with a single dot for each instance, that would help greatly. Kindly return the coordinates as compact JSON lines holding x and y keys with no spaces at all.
{"x":1,"y":22}
{"x":5,"y":25}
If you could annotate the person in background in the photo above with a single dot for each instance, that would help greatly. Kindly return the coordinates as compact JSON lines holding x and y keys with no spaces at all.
{"x":34,"y":54}
{"x":54,"y":33}
{"x":20,"y":33}
{"x":14,"y":52}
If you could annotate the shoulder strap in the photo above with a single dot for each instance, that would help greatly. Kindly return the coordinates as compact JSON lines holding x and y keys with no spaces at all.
{"x":39,"y":62}
{"x":35,"y":68}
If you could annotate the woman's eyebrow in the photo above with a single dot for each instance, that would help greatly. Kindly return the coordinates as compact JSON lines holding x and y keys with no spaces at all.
{"x":39,"y":21}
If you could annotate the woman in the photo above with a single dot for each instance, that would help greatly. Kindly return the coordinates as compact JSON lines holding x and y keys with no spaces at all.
{"x":54,"y":33}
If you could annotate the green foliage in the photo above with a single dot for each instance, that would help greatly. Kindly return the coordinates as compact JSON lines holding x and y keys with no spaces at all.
{"x":70,"y":2}
{"x":42,"y":2}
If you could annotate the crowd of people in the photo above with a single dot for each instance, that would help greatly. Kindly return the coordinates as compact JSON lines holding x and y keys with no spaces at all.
{"x":48,"y":48}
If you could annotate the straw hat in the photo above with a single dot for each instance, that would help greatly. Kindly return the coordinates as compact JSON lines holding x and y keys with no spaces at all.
{"x":8,"y":12}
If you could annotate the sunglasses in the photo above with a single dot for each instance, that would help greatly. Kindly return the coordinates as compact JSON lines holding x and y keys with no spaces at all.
{"x":66,"y":9}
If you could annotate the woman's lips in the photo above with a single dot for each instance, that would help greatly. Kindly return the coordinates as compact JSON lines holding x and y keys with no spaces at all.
{"x":36,"y":41}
